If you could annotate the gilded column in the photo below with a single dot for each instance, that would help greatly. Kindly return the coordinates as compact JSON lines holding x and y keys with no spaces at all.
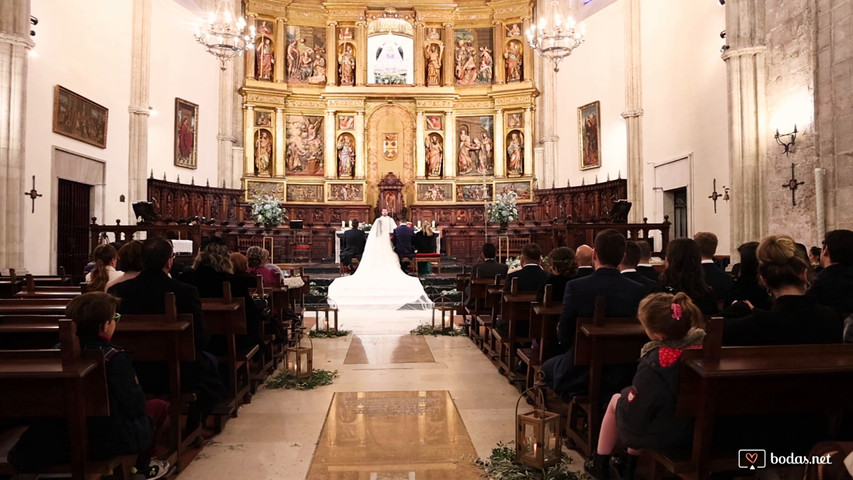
{"x":280,"y":50}
{"x":420,"y":75}
{"x":140,"y":67}
{"x":280,"y":143}
{"x":499,"y":151}
{"x":249,"y":141}
{"x":331,"y":169}
{"x":331,"y":54}
{"x":360,"y":150}
{"x":633,"y":114}
{"x":449,"y":50}
{"x":528,"y":142}
{"x":361,"y":53}
{"x":420,"y":152}
{"x":527,"y":66}
{"x":249,"y":61}
{"x":449,"y":145}
{"x":500,"y":39}
{"x":15,"y":42}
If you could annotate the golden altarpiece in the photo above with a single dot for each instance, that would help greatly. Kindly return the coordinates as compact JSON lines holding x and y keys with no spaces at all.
{"x":337,"y":96}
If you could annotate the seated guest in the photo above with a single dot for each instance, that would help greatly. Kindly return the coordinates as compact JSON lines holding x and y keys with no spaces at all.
{"x":794,"y":318}
{"x":240,"y":267}
{"x":425,"y":243}
{"x":628,"y":267}
{"x":531,"y":276}
{"x":352,"y":246}
{"x":683,"y":273}
{"x":833,"y":285}
{"x":488,"y":268}
{"x":258,"y":266}
{"x":644,"y":265}
{"x":403,"y":240}
{"x":622,"y":295}
{"x":106,"y":258}
{"x":129,"y":262}
{"x":562,"y":268}
{"x":583,"y":257}
{"x":719,"y":281}
{"x":134,"y":424}
{"x":267,"y":262}
{"x":746,"y":287}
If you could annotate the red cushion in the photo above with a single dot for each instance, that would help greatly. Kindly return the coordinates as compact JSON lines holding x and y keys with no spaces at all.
{"x":431,"y":255}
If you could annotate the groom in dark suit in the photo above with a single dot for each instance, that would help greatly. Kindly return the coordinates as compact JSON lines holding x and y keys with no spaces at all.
{"x":404,"y":238}
{"x":352,"y":245}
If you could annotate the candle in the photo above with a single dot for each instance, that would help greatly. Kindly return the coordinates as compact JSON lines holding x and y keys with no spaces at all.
{"x":433,"y":224}
{"x":343,"y":224}
{"x":350,"y":224}
{"x":419,"y":224}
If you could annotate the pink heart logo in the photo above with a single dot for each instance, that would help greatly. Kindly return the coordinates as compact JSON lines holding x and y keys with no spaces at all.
{"x":752,"y":457}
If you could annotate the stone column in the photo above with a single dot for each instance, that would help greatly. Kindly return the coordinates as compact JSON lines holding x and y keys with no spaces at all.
{"x":527,"y":66}
{"x":225,"y":139}
{"x":331,"y":53}
{"x":420,"y":75}
{"x":500,"y":148}
{"x":420,"y":151}
{"x":140,"y":65}
{"x":547,"y":118}
{"x":360,"y":55}
{"x":331,"y":170}
{"x":360,"y":150}
{"x":249,"y":61}
{"x":280,"y":50}
{"x":633,"y":113}
{"x":745,"y":71}
{"x":248,"y":140}
{"x":528,"y":142}
{"x":280,"y":143}
{"x":449,"y":49}
{"x":449,"y":145}
{"x":15,"y":42}
{"x":500,"y":38}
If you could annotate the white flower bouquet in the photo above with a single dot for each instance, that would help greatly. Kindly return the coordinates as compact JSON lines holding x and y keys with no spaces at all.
{"x":267,"y":210}
{"x":504,"y":209}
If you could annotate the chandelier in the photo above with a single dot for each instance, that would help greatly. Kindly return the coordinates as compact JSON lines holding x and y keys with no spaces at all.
{"x":224,"y":35}
{"x":555,"y":35}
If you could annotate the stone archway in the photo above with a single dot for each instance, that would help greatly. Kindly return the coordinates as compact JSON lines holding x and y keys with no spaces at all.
{"x":386,"y":125}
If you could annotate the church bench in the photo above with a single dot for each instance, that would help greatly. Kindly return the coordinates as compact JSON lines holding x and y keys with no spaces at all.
{"x":66,"y":383}
{"x":478,"y":295}
{"x":57,"y":291}
{"x":33,"y":306}
{"x":492,"y":305}
{"x":544,"y":317}
{"x":515,"y":315}
{"x":428,"y":258}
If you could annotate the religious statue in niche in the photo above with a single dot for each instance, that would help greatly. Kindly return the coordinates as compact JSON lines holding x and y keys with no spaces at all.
{"x":487,"y":155}
{"x":466,"y":64}
{"x":433,"y":34}
{"x":433,"y":53}
{"x":346,"y":66}
{"x":304,"y":155}
{"x":319,"y":74}
{"x":513,"y":60}
{"x":434,"y":155}
{"x":515,"y":153}
{"x":264,"y":59}
{"x":474,"y":63}
{"x":484,"y":74}
{"x":263,"y":151}
{"x":263,"y":119}
{"x":463,"y":156}
{"x":346,"y":156}
{"x":345,"y":33}
{"x":306,"y":55}
{"x":513,"y":30}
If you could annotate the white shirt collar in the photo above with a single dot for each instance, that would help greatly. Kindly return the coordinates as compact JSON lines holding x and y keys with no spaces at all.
{"x":629,"y":270}
{"x":644,"y":264}
{"x":527,"y":264}
{"x":707,"y":261}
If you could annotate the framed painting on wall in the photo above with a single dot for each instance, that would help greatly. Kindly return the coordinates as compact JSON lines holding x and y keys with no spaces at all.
{"x":345,"y":192}
{"x":186,"y":134}
{"x":522,"y":188}
{"x":79,"y":118}
{"x":304,"y":192}
{"x":434,"y":192}
{"x":589,"y":133}
{"x":257,"y":188}
{"x":474,"y":192}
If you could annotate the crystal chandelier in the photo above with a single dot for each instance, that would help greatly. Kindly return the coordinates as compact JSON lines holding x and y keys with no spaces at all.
{"x":224,"y":35}
{"x":555,"y":35}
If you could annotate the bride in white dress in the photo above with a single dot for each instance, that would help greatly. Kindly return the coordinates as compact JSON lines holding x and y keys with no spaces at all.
{"x":379,"y":283}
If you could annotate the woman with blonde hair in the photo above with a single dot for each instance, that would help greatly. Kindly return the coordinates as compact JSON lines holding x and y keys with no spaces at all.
{"x":105,"y":257}
{"x":424,"y":242}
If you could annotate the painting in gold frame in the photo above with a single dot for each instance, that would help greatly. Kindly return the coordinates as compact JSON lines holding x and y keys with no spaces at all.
{"x":255,"y":188}
{"x":304,"y":193}
{"x":79,"y":118}
{"x":589,"y":134}
{"x":345,"y":192}
{"x":186,"y":134}
{"x":522,"y":188}
{"x":474,"y":192}
{"x":433,"y":192}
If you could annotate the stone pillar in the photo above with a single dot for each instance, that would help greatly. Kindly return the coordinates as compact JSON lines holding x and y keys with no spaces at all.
{"x":280,"y":51}
{"x":420,"y":151}
{"x":360,"y":150}
{"x":420,"y":74}
{"x":449,"y":49}
{"x":140,"y":65}
{"x":547,"y":118}
{"x":225,"y":139}
{"x":15,"y":42}
{"x":331,"y":170}
{"x":500,"y":70}
{"x":449,"y":145}
{"x":528,"y":142}
{"x":248,"y":140}
{"x":633,"y":113}
{"x":279,"y":169}
{"x":527,"y":66}
{"x":331,"y":53}
{"x":745,"y":71}
{"x":360,"y":55}
{"x":500,"y":148}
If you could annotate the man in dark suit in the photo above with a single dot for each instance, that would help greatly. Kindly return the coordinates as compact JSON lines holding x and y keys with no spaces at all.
{"x":644,"y":266}
{"x":404,"y":238}
{"x":352,"y":245}
{"x":834,"y":283}
{"x":488,"y":268}
{"x":623,"y":296}
{"x":531,"y":276}
{"x":583,"y":257}
{"x":721,"y":283}
{"x":628,"y":267}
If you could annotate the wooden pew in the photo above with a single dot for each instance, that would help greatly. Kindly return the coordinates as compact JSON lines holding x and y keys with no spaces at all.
{"x":33,"y":306}
{"x":31,"y":290}
{"x":492,"y":305}
{"x":785,"y":379}
{"x":10,"y":285}
{"x":481,"y":320}
{"x":64,"y":383}
{"x":544,"y":317}
{"x":515,"y":314}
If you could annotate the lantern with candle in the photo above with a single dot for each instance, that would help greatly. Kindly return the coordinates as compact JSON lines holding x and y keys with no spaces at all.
{"x":299,"y":358}
{"x":537,"y":434}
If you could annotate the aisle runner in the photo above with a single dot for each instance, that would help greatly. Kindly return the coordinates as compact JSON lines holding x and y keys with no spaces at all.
{"x":384,"y":349}
{"x":394,"y":436}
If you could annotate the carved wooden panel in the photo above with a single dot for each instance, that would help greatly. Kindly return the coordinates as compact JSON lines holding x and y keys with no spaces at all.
{"x":177,"y":201}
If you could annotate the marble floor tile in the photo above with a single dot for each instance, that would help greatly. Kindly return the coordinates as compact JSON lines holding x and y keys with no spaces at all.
{"x":384,"y":349}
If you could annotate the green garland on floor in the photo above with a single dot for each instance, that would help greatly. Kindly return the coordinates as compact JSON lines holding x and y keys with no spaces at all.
{"x":430,"y":330}
{"x":285,"y":380}
{"x":503,"y":466}
{"x":328,"y":333}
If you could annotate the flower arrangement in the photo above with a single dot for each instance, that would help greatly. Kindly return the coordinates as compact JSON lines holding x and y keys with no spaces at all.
{"x":267,"y":210}
{"x":504,"y":209}
{"x":514,"y":263}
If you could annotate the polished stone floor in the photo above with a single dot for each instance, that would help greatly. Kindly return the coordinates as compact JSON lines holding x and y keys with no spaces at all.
{"x":428,"y":417}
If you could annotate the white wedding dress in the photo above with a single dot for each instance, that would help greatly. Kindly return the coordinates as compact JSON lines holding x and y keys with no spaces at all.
{"x":379,"y":283}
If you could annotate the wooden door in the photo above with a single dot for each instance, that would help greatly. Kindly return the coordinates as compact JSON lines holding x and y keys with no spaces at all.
{"x":73,"y":227}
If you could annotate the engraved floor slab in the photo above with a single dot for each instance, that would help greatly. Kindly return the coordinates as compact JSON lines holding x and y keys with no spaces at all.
{"x":384,"y":349}
{"x":394,"y":436}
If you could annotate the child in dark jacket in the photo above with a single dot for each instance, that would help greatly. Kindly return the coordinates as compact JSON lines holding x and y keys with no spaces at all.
{"x":643,"y":415}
